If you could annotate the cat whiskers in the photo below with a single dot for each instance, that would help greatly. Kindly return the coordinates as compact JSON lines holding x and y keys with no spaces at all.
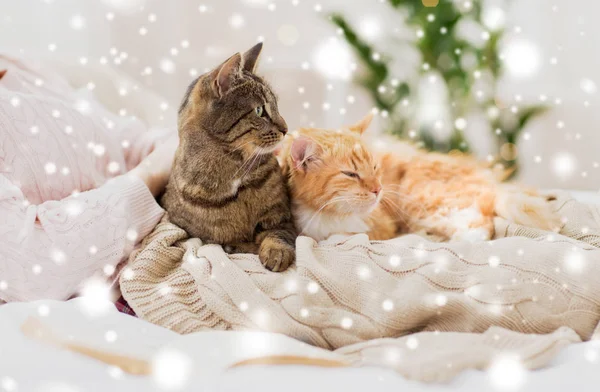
{"x":257,"y":157}
{"x":334,"y":200}
{"x":398,"y":208}
{"x":246,"y":163}
{"x":239,"y":147}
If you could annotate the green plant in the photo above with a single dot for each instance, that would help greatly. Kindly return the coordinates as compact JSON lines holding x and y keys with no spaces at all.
{"x":441,"y":49}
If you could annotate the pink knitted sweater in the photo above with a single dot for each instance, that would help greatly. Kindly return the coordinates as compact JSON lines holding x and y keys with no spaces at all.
{"x":68,"y":211}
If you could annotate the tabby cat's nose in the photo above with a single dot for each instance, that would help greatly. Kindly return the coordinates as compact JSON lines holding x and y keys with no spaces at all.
{"x":283,"y":130}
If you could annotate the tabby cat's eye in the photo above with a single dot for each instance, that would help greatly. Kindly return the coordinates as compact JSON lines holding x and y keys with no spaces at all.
{"x":259,"y":111}
{"x":351,"y":174}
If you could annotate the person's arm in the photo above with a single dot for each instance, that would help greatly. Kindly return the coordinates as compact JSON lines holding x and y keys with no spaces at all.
{"x":48,"y":250}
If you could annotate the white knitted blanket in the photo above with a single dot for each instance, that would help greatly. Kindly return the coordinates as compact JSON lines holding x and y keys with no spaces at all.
{"x":426,"y":309}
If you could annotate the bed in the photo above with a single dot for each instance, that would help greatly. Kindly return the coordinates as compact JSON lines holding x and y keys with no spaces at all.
{"x":199,"y":361}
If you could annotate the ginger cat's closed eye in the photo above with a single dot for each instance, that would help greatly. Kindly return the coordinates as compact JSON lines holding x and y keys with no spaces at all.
{"x":339,"y":186}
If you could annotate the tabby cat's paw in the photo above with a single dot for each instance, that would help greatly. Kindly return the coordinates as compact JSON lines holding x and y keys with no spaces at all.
{"x":276,"y":255}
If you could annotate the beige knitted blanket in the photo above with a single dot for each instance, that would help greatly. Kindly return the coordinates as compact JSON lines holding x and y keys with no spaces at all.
{"x":426,"y":309}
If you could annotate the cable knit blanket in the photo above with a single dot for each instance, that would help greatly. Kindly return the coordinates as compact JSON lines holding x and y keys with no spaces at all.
{"x":426,"y":309}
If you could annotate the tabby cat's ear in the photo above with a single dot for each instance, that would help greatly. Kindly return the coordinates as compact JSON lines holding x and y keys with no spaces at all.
{"x":303,"y":152}
{"x":226,"y":73}
{"x":363,"y":124}
{"x":2,"y":73}
{"x":251,"y":57}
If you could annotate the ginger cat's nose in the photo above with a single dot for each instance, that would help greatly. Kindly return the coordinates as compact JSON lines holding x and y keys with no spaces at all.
{"x":376,"y":190}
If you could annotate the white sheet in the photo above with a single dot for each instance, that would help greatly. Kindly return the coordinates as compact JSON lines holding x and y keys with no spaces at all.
{"x":27,"y":365}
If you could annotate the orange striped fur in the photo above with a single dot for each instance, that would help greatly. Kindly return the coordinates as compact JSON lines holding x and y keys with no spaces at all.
{"x":333,"y":176}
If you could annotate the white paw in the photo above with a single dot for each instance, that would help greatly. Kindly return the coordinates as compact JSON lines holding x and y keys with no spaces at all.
{"x":471,"y":235}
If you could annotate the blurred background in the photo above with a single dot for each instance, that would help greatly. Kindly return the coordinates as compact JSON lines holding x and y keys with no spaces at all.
{"x":513,"y":81}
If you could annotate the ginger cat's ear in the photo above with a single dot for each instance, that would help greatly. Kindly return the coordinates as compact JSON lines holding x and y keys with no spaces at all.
{"x":303,"y":152}
{"x":363,"y":124}
{"x":224,"y":75}
{"x":2,"y":73}
{"x":251,"y":57}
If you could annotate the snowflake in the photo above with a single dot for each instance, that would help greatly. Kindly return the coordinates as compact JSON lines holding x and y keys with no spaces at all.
{"x":460,"y":123}
{"x":171,"y":368}
{"x":494,"y":261}
{"x":441,"y":300}
{"x":412,"y":343}
{"x":8,"y":383}
{"x":108,"y":270}
{"x":50,"y":168}
{"x":370,"y":28}
{"x":43,"y":310}
{"x":77,"y":22}
{"x":493,"y":18}
{"x":575,"y":261}
{"x":96,"y":297}
{"x":165,"y":290}
{"x":167,"y":65}
{"x":495,"y":309}
{"x":588,"y":86}
{"x":591,"y":355}
{"x":113,"y":167}
{"x":364,"y":272}
{"x":506,"y":373}
{"x":312,"y":287}
{"x":115,"y":372}
{"x":110,"y":336}
{"x":58,"y":256}
{"x":132,"y":234}
{"x":236,"y":21}
{"x":522,"y":58}
{"x":73,"y":207}
{"x":388,"y":305}
{"x":564,"y":165}
{"x":346,"y":323}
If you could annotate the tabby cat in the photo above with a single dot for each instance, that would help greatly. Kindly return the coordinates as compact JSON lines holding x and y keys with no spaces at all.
{"x":226,"y":186}
{"x":339,"y":186}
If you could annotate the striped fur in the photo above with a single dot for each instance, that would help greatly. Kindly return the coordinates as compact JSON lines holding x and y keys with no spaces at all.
{"x":446,"y":197}
{"x":226,"y":186}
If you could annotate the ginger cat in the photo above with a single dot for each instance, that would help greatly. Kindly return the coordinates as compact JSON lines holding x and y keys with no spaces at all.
{"x":338,"y":186}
